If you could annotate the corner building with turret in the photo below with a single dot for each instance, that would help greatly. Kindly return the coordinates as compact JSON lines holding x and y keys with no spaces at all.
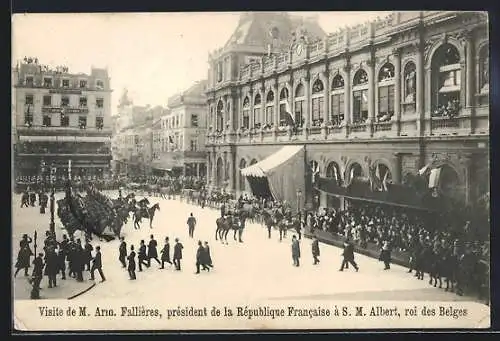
{"x":385,"y":98}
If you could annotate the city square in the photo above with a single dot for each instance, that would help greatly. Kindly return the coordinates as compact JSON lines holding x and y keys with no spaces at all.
{"x":348,"y":166}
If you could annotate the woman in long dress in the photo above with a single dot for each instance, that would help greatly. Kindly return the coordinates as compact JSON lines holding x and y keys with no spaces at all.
{"x":23,"y":257}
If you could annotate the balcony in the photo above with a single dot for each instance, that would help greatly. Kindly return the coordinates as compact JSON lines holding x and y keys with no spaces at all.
{"x":63,"y":131}
{"x":67,"y":109}
{"x":382,"y":126}
{"x":358,"y":128}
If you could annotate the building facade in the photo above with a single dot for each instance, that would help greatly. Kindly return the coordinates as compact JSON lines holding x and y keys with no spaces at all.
{"x":61,"y":116}
{"x":398,"y":93}
{"x":181,"y":136}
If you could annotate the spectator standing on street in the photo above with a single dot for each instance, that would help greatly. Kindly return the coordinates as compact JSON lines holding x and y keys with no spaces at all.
{"x":88,"y":254}
{"x":385,"y":255}
{"x":165,"y":254}
{"x":97,"y":265}
{"x":123,"y":252}
{"x":37,"y":276}
{"x":152,"y":251}
{"x":201,"y":258}
{"x":315,"y":250}
{"x":61,"y":261}
{"x":295,"y":251}
{"x":24,"y":255}
{"x":131,"y":263}
{"x":208,"y":255}
{"x":142,"y":256}
{"x":191,"y":222}
{"x":177,"y":254}
{"x":51,"y":266}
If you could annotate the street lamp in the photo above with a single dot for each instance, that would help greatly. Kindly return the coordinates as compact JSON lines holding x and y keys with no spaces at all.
{"x":52,"y":226}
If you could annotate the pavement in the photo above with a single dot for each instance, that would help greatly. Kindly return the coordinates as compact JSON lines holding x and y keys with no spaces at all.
{"x":259,"y":270}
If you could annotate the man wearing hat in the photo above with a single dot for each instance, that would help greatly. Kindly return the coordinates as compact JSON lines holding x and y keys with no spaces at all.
{"x":348,"y":255}
{"x":177,"y":254}
{"x":385,"y":255}
{"x":315,"y":250}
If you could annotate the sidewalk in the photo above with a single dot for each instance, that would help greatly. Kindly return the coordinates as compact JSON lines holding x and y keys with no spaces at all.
{"x":66,"y":289}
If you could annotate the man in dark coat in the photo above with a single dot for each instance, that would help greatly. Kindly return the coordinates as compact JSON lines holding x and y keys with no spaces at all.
{"x":201,"y":258}
{"x":131,"y":263}
{"x":191,"y":222}
{"x":88,"y":254}
{"x":61,"y":261}
{"x":385,"y":255}
{"x":315,"y":250}
{"x":123,"y":252}
{"x":142,"y":256}
{"x":165,"y":254}
{"x":37,"y":276}
{"x":208,"y":255}
{"x":79,"y":261}
{"x":51,"y":266}
{"x":97,"y":265}
{"x":348,"y":255}
{"x":177,"y":254}
{"x":295,"y":251}
{"x":24,"y":255}
{"x":152,"y":251}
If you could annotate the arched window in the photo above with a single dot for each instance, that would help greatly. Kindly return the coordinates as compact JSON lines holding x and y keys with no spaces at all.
{"x":220,"y":116}
{"x":385,"y":93}
{"x":269,"y":108}
{"x":256,"y":111}
{"x":333,"y":172}
{"x":355,"y":171}
{"x":360,"y":97}
{"x":284,"y":106}
{"x":410,"y":81}
{"x":318,"y":103}
{"x":300,"y":105}
{"x":337,"y":100}
{"x":242,"y":186}
{"x":484,"y":69}
{"x":246,"y":113}
{"x":449,"y":183}
{"x":446,"y":81}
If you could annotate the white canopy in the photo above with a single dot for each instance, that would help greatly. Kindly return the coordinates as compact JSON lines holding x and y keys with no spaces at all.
{"x":264,"y":167}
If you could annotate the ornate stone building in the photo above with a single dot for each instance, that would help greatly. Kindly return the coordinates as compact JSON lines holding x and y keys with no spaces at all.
{"x":395,"y":95}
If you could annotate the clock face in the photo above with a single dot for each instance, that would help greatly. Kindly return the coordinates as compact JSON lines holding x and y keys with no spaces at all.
{"x":299,"y":49}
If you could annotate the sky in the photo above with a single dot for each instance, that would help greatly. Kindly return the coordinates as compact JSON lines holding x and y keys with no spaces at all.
{"x":153,"y":55}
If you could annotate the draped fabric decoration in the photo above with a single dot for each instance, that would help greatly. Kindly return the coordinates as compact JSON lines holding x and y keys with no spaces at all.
{"x":279,"y":176}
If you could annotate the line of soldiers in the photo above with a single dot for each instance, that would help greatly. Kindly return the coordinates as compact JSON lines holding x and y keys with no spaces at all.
{"x":28,"y":198}
{"x":150,"y":252}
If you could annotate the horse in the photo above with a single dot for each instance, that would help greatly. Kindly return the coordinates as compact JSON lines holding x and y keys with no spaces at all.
{"x":269,"y":221}
{"x":149,"y":213}
{"x":224,"y":225}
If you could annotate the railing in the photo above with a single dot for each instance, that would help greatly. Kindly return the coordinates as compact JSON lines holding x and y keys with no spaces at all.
{"x":334,"y":130}
{"x":245,"y":72}
{"x":358,"y":128}
{"x":268,"y":65}
{"x":42,"y":130}
{"x":317,"y":49}
{"x":383,"y":126}
{"x":445,"y":123}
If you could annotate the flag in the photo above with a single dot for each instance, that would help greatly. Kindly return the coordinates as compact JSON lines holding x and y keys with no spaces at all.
{"x":384,"y":182}
{"x":377,"y":171}
{"x":423,"y":170}
{"x":288,"y":115}
{"x":434,"y":177}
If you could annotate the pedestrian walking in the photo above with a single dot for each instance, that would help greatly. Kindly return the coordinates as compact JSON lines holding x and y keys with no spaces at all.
{"x":348,"y":256}
{"x":122,"y":252}
{"x":200,"y":258}
{"x":152,"y":251}
{"x":80,"y":258}
{"x":97,"y":265}
{"x":315,"y":250}
{"x":165,"y":254}
{"x":24,"y":255}
{"x":37,"y":276}
{"x":191,"y":222}
{"x":131,"y":263}
{"x":177,"y":254}
{"x":142,"y":256}
{"x":385,"y":255}
{"x":88,"y":254}
{"x":208,"y":255}
{"x":61,"y":261}
{"x":295,"y":251}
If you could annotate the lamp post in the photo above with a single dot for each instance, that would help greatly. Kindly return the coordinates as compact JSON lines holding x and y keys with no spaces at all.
{"x":52,"y":225}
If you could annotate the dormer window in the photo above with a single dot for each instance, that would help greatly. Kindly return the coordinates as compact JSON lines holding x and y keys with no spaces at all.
{"x":29,"y":81}
{"x":99,"y":84}
{"x":65,"y":83}
{"x":83,"y":83}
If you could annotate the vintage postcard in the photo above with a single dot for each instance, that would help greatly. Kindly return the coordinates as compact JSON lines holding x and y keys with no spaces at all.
{"x":250,"y":171}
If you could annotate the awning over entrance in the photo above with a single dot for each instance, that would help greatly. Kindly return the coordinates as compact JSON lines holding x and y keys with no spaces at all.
{"x":280,"y":176}
{"x":269,"y":164}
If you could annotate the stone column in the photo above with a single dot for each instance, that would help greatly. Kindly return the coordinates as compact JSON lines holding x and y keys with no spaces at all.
{"x":469,"y":61}
{"x":214,"y":169}
{"x":263,"y":106}
{"x":326,"y":113}
{"x":230,"y":159}
{"x":467,"y":162}
{"x":209,"y":171}
{"x":231,"y":114}
{"x":276,"y":118}
{"x":308,"y":104}
{"x":347,"y":94}
{"x":397,"y":84}
{"x":251,"y":120}
{"x":396,"y":176}
{"x":420,"y":82}
{"x":224,"y":167}
{"x":371,"y":89}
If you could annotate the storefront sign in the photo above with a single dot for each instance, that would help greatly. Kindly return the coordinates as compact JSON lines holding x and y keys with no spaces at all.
{"x":66,"y":91}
